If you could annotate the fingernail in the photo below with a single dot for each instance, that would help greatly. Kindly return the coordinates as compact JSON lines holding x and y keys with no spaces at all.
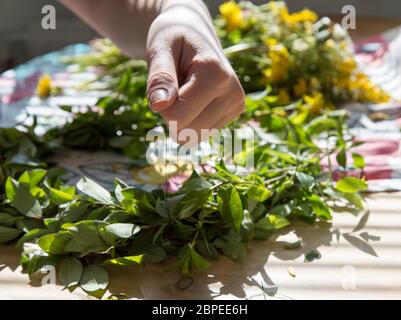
{"x":158,"y":96}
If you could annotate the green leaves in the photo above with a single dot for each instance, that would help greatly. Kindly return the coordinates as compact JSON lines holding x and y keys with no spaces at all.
{"x":272,"y":222}
{"x":306,"y":180}
{"x":54,"y":243}
{"x":359,"y":161}
{"x":232,"y":245}
{"x":64,"y":195}
{"x":259,"y":193}
{"x":94,"y":279}
{"x":94,"y":191}
{"x":20,"y":196}
{"x":122,"y":230}
{"x":85,"y":236}
{"x":351,"y":185}
{"x":187,"y":258}
{"x":70,"y":272}
{"x":8,"y":234}
{"x":230,"y":206}
{"x":197,"y":191}
{"x":320,"y":209}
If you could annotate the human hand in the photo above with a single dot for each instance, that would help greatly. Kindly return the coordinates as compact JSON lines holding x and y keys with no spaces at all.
{"x":190,"y":79}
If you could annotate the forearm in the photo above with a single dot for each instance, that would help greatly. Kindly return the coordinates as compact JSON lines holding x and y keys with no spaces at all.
{"x":125,"y":22}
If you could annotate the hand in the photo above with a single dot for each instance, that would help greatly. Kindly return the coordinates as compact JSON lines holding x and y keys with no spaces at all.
{"x":190,"y":79}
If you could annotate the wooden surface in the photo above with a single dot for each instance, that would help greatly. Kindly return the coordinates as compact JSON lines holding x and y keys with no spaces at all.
{"x":360,"y":264}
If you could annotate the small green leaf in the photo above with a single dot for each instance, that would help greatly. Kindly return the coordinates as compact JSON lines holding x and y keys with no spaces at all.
{"x":22,"y":199}
{"x":351,"y":185}
{"x":70,"y":272}
{"x":7,"y":220}
{"x":33,"y":177}
{"x":30,"y":236}
{"x":359,"y":161}
{"x":123,"y":230}
{"x":94,"y":190}
{"x":199,"y":262}
{"x":154,"y":254}
{"x":306,"y":180}
{"x":232,"y":245}
{"x":94,"y":278}
{"x":85,"y":235}
{"x":259,"y":193}
{"x":230,"y":207}
{"x":8,"y":234}
{"x":272,"y":222}
{"x":62,"y":196}
{"x":320,"y":209}
{"x":54,"y":243}
{"x":342,"y":158}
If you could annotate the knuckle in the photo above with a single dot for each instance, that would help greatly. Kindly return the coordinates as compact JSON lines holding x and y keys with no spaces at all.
{"x":160,"y":78}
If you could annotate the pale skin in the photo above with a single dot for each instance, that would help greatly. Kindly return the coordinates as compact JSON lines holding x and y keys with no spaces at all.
{"x":190,"y":79}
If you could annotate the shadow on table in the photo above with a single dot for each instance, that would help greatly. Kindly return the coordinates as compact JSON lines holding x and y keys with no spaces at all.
{"x":225,"y":277}
{"x":9,"y":257}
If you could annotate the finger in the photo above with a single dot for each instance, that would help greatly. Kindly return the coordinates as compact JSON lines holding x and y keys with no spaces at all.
{"x":195,"y":95}
{"x":215,"y":116}
{"x":162,"y":82}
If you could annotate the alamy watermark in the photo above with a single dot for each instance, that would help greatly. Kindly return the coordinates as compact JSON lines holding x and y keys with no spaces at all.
{"x":349,"y":20}
{"x":234,"y":146}
{"x":49,"y":17}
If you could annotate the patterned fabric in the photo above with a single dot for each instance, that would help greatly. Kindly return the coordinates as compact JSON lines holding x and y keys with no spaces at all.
{"x":379,"y":57}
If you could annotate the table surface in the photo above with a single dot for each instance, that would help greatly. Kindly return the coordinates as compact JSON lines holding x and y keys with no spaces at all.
{"x":360,"y":259}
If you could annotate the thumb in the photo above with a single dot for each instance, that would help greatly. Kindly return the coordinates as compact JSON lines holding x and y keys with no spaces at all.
{"x":162,"y":82}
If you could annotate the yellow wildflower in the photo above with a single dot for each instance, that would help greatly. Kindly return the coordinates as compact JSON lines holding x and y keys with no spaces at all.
{"x":44,"y":86}
{"x":330,"y":43}
{"x":300,"y":88}
{"x":283,"y":97}
{"x":271,"y":42}
{"x":315,"y":102}
{"x":232,"y":13}
{"x":305,"y":15}
{"x":363,"y":88}
{"x":347,"y":66}
{"x":280,"y":63}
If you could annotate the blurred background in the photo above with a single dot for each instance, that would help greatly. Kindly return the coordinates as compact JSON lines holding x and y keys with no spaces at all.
{"x":22,"y":38}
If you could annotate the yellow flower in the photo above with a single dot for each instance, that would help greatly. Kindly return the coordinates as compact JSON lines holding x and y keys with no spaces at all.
{"x":315,"y":102}
{"x":330,"y":44}
{"x":280,"y":63}
{"x":232,"y":13}
{"x":44,"y":86}
{"x":347,"y":66}
{"x":300,"y":88}
{"x":364,"y":89}
{"x":271,"y":42}
{"x":305,"y":15}
{"x":283,"y":96}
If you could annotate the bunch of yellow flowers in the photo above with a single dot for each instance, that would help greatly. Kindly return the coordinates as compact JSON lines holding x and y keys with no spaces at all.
{"x":297,"y":55}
